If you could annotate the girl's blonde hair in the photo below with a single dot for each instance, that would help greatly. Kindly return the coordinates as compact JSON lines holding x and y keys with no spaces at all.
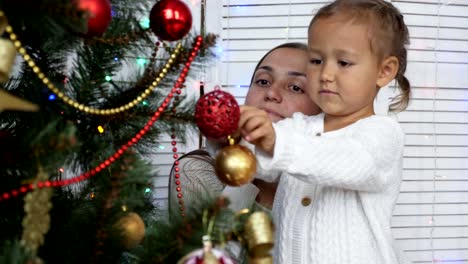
{"x":388,"y":35}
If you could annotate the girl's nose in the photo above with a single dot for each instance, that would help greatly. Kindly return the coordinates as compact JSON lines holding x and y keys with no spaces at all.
{"x":328,"y":73}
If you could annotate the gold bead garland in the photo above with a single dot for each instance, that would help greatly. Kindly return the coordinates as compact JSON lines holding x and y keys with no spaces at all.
{"x":81,"y":107}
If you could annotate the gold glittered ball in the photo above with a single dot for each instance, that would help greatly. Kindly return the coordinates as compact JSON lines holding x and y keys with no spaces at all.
{"x":235,"y":165}
{"x":132,"y":230}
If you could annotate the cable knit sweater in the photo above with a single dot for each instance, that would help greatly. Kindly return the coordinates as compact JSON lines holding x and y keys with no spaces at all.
{"x":337,"y":190}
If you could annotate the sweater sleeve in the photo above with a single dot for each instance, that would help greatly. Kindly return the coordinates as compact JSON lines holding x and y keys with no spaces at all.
{"x":361,"y":158}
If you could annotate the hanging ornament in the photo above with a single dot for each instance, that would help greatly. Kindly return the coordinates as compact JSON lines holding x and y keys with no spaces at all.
{"x":99,"y":16}
{"x":7,"y":51}
{"x":235,"y":165}
{"x":258,"y":233}
{"x":261,"y":260}
{"x":7,"y":55}
{"x":217,"y":114}
{"x":132,"y":230}
{"x":207,"y":255}
{"x":36,"y":221}
{"x":170,"y":19}
{"x":10,"y":102}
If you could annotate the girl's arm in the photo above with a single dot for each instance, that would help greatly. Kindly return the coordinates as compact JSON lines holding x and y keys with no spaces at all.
{"x":364,"y":158}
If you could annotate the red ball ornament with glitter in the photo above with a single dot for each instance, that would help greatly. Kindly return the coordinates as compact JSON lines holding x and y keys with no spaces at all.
{"x":100,"y":16}
{"x":170,"y":19}
{"x":217,"y":114}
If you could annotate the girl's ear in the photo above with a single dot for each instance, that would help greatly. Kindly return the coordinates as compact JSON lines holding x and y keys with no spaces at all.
{"x":388,"y":70}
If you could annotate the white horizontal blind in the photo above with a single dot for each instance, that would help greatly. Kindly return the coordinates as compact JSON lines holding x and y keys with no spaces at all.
{"x":431,"y":218}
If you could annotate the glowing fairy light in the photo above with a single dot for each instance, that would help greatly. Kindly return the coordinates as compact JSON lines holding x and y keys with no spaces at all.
{"x":141,"y":61}
{"x":145,"y":23}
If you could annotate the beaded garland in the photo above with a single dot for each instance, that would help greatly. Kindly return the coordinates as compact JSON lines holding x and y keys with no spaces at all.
{"x":59,"y":183}
{"x":81,"y":107}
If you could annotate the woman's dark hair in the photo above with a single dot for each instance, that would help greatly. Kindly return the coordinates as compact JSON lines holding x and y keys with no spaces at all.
{"x":289,"y":45}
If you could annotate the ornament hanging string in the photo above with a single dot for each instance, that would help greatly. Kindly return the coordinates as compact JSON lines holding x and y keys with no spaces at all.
{"x":59,"y":183}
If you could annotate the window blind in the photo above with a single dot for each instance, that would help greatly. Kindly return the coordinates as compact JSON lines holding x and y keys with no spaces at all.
{"x":430,"y":221}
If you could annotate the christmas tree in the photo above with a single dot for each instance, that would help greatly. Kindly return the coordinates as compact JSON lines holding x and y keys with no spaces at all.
{"x":89,"y":88}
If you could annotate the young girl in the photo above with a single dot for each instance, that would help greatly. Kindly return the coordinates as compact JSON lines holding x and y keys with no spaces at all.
{"x":341,"y":170}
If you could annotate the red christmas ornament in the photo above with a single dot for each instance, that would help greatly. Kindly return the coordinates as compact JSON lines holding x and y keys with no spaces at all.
{"x":217,"y":114}
{"x":170,"y":19}
{"x":99,"y":15}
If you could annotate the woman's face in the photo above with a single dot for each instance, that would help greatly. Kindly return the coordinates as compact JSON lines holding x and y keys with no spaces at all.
{"x":279,"y":83}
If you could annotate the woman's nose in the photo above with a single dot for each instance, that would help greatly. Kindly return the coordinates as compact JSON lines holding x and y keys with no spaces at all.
{"x":273,"y":94}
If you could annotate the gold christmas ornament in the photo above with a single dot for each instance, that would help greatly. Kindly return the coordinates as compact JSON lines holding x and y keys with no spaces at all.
{"x":258,"y":233}
{"x":132,"y":230}
{"x":10,"y":102}
{"x":36,"y":221}
{"x":7,"y":51}
{"x":235,"y":165}
{"x":7,"y":59}
{"x":261,"y":260}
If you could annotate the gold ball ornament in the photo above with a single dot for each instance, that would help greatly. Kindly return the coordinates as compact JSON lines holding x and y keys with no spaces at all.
{"x":132,"y":230}
{"x":8,"y":55}
{"x":235,"y":165}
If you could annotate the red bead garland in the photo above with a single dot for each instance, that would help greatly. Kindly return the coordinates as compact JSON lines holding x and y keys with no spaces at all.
{"x":58,"y":183}
{"x":176,"y":162}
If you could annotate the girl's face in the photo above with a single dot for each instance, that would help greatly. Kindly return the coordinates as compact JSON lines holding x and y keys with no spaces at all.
{"x":279,"y":83}
{"x":344,"y":75}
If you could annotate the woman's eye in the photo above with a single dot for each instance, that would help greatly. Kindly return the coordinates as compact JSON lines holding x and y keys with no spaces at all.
{"x":296,"y":89}
{"x":262,"y":82}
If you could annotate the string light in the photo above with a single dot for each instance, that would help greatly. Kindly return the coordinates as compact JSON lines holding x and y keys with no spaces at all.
{"x":145,"y":23}
{"x":147,"y":190}
{"x":100,"y":129}
{"x":52,"y":97}
{"x":124,"y":208}
{"x":108,"y":78}
{"x":141,"y":61}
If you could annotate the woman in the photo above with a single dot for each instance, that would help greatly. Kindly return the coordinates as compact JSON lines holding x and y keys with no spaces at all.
{"x":277,"y":86}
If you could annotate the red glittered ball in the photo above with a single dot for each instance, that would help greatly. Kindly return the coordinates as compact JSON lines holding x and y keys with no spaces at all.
{"x":170,"y":19}
{"x":217,"y":114}
{"x":100,"y":15}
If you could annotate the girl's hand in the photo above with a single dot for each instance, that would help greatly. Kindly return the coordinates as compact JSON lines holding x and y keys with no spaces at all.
{"x":256,"y":127}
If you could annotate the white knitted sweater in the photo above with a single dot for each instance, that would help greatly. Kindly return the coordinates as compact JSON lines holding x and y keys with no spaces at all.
{"x":352,"y":178}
